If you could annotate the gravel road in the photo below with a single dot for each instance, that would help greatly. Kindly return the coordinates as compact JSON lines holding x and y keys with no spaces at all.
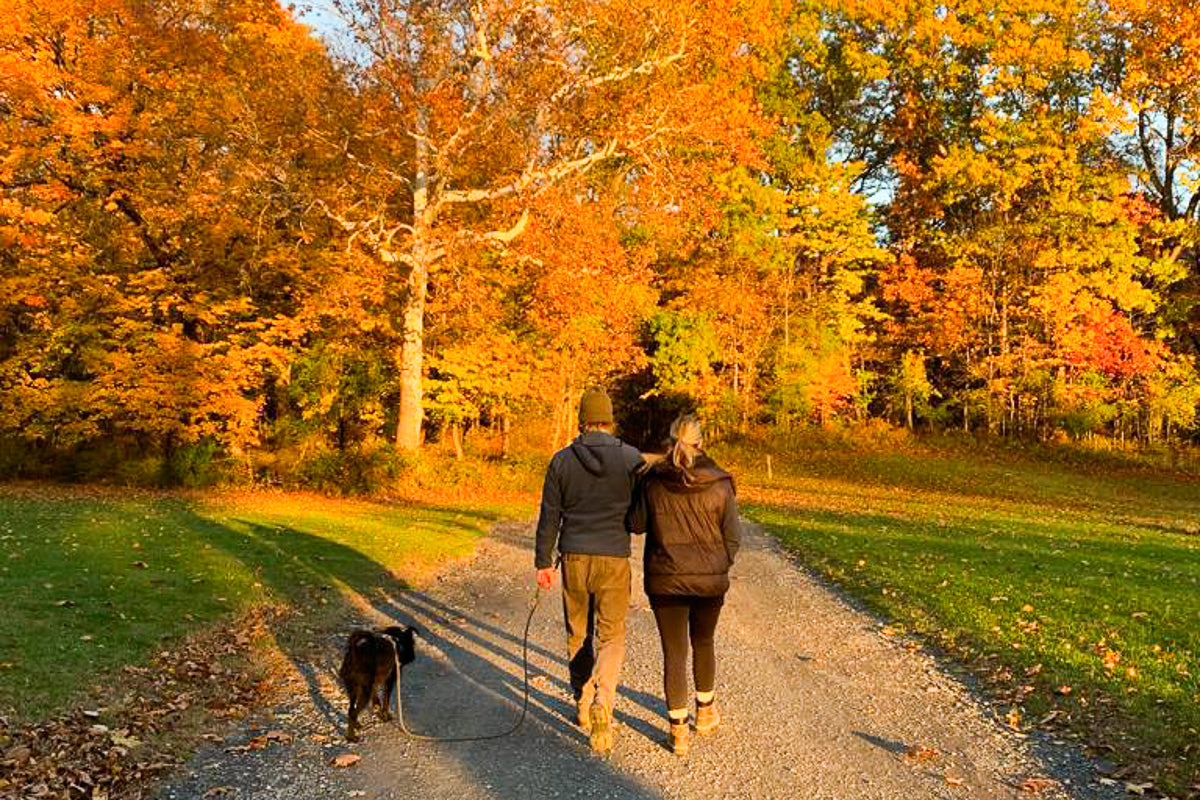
{"x":816,"y":703}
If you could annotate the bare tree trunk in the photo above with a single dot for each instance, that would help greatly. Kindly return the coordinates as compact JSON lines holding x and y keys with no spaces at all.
{"x":412,"y":352}
{"x":412,"y":345}
{"x":505,"y":434}
{"x":557,"y":426}
{"x":737,"y":394}
{"x":562,"y":407}
{"x":456,"y":437}
{"x":747,"y":387}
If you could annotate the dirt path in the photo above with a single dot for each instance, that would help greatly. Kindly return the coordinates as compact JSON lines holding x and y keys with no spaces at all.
{"x":816,"y":704}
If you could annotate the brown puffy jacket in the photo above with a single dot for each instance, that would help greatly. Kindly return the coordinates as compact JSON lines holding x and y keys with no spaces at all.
{"x":690,"y":519}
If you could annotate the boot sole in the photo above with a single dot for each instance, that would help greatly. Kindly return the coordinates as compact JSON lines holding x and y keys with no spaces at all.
{"x":601,"y":735}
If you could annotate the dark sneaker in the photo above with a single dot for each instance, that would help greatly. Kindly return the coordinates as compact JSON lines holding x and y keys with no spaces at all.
{"x":707,"y":718}
{"x":678,"y":739}
{"x":601,"y":735}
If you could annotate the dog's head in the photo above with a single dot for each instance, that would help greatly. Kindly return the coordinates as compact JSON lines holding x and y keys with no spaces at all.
{"x":402,"y":635}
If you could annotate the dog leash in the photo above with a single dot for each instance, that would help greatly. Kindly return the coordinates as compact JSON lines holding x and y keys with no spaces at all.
{"x":537,"y":598}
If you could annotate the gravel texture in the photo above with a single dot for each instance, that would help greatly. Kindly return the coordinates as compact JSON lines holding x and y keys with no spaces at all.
{"x":816,"y":703}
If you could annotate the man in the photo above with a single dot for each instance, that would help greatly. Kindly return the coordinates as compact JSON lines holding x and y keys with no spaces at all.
{"x":588,"y":489}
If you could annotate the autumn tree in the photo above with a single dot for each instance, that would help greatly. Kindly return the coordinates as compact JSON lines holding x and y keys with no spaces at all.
{"x":483,"y":105}
{"x":143,"y":151}
{"x":1150,"y":59}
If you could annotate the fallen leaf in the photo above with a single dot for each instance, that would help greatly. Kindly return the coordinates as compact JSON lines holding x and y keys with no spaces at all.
{"x":218,"y":791}
{"x":1037,"y":785}
{"x":1050,"y":717}
{"x":1139,"y":789}
{"x":921,"y":752}
{"x":121,"y":740}
{"x":283,"y":737}
{"x":950,"y":779}
{"x":141,"y":564}
{"x":346,"y":760}
{"x":19,"y":754}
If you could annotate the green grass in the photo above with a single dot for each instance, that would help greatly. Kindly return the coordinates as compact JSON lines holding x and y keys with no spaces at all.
{"x":1072,"y":588}
{"x":90,"y":584}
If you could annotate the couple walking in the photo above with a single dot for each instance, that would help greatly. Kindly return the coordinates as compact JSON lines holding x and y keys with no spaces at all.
{"x":599,"y":491}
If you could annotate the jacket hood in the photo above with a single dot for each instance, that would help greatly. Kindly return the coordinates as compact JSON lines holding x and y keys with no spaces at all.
{"x":702,"y":474}
{"x":586,"y":448}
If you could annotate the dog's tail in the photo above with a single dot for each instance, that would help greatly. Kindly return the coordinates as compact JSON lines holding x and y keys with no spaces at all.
{"x":353,"y":656}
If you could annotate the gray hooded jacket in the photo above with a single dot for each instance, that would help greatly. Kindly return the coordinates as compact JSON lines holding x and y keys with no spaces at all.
{"x":588,"y":488}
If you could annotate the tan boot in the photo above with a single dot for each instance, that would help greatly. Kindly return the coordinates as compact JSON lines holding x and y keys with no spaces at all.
{"x":583,"y":713}
{"x":678,"y":737}
{"x":601,"y":735}
{"x":707,"y":718}
{"x":583,"y":707}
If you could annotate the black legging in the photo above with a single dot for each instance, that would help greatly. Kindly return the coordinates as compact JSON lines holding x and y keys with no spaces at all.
{"x":682,"y":618}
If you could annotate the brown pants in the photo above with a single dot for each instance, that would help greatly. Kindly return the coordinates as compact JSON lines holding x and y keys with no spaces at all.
{"x":595,"y":601}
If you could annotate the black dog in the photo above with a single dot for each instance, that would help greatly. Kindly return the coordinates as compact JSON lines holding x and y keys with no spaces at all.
{"x":370,"y":662}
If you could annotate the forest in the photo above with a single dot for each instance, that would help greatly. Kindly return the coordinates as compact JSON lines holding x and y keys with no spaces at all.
{"x":237,"y":246}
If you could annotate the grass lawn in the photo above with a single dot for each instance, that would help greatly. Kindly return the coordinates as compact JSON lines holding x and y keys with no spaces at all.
{"x":1074,"y":590}
{"x":90,"y":584}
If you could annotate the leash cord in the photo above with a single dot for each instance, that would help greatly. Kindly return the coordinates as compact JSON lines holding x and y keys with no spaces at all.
{"x":537,"y":597}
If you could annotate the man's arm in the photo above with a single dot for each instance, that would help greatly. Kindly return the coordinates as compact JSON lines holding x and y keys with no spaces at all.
{"x":549,"y":518}
{"x":635,"y":518}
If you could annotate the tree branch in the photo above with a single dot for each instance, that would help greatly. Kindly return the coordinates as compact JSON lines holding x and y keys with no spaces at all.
{"x":621,"y":73}
{"x":1148,"y":156}
{"x":504,"y":237}
{"x":530,"y":178}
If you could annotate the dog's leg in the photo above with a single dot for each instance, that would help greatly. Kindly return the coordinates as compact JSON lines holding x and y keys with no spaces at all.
{"x":352,"y":717}
{"x":385,"y":711}
{"x":358,"y":701}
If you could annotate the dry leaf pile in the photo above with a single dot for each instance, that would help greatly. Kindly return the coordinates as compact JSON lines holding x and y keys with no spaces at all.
{"x":137,"y":732}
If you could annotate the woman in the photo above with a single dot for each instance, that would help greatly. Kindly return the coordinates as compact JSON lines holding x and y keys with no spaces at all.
{"x":685,"y":504}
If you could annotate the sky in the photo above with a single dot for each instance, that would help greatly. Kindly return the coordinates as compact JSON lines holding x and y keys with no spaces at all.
{"x":321,"y":15}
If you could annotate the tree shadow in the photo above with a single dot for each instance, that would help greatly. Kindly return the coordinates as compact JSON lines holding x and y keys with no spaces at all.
{"x":447,"y":629}
{"x":467,"y":669}
{"x":891,"y":746}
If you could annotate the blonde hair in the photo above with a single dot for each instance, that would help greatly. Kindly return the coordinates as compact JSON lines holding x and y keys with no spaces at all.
{"x":686,"y":440}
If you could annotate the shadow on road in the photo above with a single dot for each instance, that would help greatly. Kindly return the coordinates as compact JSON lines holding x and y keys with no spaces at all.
{"x":469,"y":682}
